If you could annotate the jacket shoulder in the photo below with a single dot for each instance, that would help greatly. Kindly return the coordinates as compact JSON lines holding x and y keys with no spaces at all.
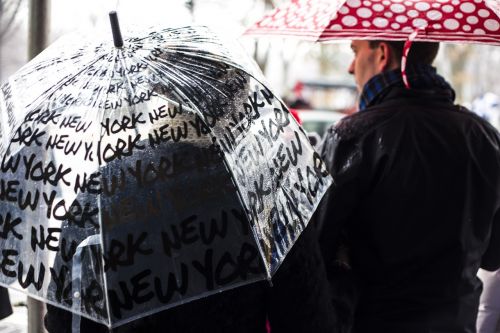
{"x":358,"y":124}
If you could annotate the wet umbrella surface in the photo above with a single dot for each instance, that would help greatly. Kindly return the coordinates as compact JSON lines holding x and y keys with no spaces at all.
{"x":139,"y":177}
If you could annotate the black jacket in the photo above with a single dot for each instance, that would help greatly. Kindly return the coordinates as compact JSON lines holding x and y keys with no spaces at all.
{"x":5,"y":307}
{"x":417,"y":192}
{"x":298,"y":302}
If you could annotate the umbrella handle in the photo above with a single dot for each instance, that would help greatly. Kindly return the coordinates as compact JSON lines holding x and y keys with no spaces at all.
{"x":76,"y":275}
{"x":406,"y":50}
{"x":115,"y":29}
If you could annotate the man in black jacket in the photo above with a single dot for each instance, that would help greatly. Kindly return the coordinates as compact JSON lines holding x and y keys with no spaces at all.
{"x":416,"y":193}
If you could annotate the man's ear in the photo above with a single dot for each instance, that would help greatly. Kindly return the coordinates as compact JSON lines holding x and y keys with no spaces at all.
{"x":385,"y":61}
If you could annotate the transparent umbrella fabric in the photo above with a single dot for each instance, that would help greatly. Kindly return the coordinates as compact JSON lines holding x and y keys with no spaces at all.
{"x":473,"y":21}
{"x":134,"y":179}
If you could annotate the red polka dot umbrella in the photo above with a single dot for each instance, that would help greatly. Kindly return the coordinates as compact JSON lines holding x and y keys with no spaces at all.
{"x":476,"y":21}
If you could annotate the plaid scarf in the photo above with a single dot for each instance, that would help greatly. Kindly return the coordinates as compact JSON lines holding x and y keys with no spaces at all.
{"x":420,"y":76}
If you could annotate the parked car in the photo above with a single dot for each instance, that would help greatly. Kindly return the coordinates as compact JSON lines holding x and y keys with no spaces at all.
{"x":324,"y":95}
{"x":316,"y":122}
{"x":319,"y":104}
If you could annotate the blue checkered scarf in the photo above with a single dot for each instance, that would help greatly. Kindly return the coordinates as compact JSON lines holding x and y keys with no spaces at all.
{"x":420,"y":77}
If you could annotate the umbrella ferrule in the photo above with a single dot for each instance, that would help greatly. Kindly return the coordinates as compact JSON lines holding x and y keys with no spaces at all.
{"x":115,"y":29}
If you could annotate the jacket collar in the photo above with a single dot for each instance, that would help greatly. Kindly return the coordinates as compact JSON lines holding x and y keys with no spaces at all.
{"x":423,"y":79}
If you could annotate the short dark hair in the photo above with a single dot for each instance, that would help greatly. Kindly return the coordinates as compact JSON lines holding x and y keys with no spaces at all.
{"x":420,"y":52}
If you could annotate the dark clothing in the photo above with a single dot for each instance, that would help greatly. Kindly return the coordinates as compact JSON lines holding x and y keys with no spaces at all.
{"x":417,"y":191}
{"x":297,"y":302}
{"x":420,"y":76}
{"x":5,"y":307}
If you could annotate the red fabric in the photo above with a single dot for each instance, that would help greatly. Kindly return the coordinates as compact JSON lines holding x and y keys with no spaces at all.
{"x":442,"y":20}
{"x":297,"y":89}
{"x":295,"y":114}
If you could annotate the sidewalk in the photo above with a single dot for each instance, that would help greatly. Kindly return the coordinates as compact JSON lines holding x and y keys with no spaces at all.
{"x":18,"y":321}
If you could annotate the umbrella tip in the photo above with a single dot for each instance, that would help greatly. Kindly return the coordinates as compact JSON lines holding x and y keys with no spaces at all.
{"x":115,"y":29}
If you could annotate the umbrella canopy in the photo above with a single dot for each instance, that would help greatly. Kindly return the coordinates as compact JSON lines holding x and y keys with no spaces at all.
{"x":476,"y":21}
{"x":140,"y":176}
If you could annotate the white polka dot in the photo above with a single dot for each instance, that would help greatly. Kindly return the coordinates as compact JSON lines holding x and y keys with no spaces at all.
{"x":364,"y":12}
{"x":436,"y":5}
{"x":409,"y":3}
{"x":451,"y":24}
{"x":483,"y":13}
{"x":367,"y":3}
{"x":407,"y":29}
{"x":336,"y":27}
{"x":366,"y":24}
{"x":422,"y":6}
{"x":492,"y":25}
{"x":349,"y":21}
{"x":466,"y":28}
{"x":437,"y":26}
{"x":412,"y":13}
{"x":479,"y":32}
{"x":386,"y":2}
{"x":378,"y":7}
{"x":395,"y":26}
{"x":388,"y":14}
{"x":459,"y":15}
{"x":380,"y":22}
{"x":447,"y":8}
{"x":472,"y":20}
{"x":401,"y":19}
{"x":354,"y":3}
{"x":434,"y":15}
{"x":478,"y":1}
{"x":467,"y":7}
{"x":344,"y":10}
{"x":455,"y":2}
{"x":419,"y":23}
{"x":398,"y":8}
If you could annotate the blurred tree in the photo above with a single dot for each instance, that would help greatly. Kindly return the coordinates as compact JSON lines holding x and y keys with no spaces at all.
{"x":334,"y":60}
{"x":190,"y":6}
{"x":458,"y":57}
{"x":38,"y":27}
{"x":260,"y":58}
{"x":8,"y":11}
{"x":483,"y":69}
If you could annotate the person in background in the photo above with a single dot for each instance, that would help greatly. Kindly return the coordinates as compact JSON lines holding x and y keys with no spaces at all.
{"x":488,"y":107}
{"x":489,"y":303}
{"x":416,"y":194}
{"x":298,"y":302}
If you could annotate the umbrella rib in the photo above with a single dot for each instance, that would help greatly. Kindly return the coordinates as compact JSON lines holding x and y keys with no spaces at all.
{"x":50,"y":91}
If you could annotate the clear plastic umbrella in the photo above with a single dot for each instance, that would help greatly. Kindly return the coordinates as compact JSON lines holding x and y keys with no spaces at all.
{"x":146,"y":174}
